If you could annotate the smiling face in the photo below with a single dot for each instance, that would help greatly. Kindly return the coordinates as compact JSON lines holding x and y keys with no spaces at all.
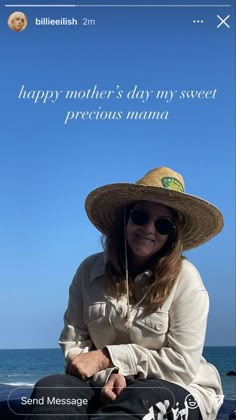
{"x":192,"y":401}
{"x":144,"y":241}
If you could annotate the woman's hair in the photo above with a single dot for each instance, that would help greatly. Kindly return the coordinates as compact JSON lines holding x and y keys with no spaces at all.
{"x":14,"y":16}
{"x":165,"y":265}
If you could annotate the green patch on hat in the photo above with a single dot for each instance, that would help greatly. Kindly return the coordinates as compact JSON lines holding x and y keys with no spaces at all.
{"x":172,"y":184}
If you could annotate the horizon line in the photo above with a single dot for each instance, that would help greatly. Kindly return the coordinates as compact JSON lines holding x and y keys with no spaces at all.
{"x":58,"y":348}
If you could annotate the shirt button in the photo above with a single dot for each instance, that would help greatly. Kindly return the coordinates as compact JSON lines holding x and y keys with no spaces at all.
{"x":125,"y":367}
{"x":119,"y":311}
{"x":159,"y":326}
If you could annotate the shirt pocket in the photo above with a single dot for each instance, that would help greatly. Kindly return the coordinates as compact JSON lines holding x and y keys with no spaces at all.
{"x":156,"y":323}
{"x":151,"y":330}
{"x":99,"y":328}
{"x":94,"y":312}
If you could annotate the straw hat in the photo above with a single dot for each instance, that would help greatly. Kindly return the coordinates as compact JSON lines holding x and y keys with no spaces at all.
{"x":201,"y":220}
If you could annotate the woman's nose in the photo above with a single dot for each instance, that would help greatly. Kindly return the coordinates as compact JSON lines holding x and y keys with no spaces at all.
{"x":150,"y":225}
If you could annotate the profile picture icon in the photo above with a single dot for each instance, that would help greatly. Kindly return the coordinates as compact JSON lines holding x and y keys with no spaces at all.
{"x":17,"y":21}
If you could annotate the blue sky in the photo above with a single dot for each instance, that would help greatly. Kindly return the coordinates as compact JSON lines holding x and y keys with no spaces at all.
{"x":47,"y":168}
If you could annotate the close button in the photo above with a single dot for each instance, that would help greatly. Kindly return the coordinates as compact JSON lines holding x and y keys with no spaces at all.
{"x":223,"y":21}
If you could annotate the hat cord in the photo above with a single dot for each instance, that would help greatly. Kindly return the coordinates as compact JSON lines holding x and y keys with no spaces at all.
{"x":147,"y":274}
{"x":126,"y":266}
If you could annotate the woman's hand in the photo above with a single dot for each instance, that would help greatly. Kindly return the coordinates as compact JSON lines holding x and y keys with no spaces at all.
{"x":85,"y":365}
{"x":113,"y":388}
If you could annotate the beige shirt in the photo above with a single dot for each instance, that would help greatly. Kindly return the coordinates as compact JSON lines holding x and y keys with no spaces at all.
{"x":166,"y":344}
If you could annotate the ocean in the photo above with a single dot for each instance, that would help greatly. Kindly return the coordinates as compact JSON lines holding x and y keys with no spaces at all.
{"x":25,"y":367}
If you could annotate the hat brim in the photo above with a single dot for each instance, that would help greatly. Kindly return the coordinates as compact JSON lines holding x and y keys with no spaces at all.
{"x":202,"y":220}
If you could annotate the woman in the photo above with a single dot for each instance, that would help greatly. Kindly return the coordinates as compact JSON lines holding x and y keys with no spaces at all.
{"x":17,"y":21}
{"x":136,"y":319}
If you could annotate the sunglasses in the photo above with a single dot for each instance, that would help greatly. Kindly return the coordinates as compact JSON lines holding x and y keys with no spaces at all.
{"x":162,"y":225}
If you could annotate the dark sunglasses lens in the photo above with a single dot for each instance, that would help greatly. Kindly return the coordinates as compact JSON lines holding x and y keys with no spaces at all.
{"x":139,"y":217}
{"x":164,"y":227}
